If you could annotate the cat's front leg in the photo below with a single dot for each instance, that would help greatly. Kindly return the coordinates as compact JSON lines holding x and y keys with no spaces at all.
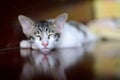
{"x":25,"y":44}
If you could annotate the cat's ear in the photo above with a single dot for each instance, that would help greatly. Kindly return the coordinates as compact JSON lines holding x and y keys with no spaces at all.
{"x":60,"y":21}
{"x":26,"y":23}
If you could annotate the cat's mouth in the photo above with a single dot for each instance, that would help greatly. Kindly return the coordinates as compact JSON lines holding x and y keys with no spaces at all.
{"x":45,"y":50}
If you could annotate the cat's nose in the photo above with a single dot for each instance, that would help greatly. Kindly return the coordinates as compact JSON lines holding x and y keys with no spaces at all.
{"x":45,"y":44}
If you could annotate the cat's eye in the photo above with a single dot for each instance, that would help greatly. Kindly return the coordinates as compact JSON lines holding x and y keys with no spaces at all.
{"x":49,"y":36}
{"x":39,"y":37}
{"x":57,"y":35}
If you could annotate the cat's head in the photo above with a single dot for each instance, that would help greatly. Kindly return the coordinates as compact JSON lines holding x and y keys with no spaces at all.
{"x":45,"y":34}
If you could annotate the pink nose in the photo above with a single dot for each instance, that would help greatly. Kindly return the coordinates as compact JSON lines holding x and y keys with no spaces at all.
{"x":45,"y":44}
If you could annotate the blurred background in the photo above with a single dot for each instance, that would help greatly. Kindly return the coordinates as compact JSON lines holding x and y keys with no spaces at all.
{"x":79,"y":10}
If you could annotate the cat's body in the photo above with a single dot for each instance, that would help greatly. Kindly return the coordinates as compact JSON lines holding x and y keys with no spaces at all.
{"x":56,"y":33}
{"x":75,"y":35}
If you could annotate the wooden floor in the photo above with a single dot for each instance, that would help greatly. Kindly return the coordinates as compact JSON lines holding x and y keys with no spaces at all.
{"x":101,"y":62}
{"x":21,"y":64}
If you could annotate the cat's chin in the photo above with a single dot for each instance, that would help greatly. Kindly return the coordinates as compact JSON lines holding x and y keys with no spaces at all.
{"x":45,"y":50}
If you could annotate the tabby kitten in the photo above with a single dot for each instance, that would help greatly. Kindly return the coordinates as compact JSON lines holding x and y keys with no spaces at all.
{"x":54,"y":33}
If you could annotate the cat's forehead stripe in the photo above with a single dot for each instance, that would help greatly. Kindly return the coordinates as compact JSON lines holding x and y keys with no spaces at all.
{"x":40,"y":29}
{"x":43,"y":25}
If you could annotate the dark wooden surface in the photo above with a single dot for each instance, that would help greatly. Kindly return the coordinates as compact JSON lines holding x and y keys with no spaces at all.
{"x":13,"y":63}
{"x":102,"y":62}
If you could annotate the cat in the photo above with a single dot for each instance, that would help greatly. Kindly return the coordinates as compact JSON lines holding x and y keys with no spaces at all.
{"x":54,"y":33}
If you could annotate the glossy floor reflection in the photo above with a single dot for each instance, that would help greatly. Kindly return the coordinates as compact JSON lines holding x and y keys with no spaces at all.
{"x":97,"y":62}
{"x":53,"y":64}
{"x":59,"y":64}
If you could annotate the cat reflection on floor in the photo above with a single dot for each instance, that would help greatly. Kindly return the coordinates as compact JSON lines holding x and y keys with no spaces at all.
{"x":53,"y":64}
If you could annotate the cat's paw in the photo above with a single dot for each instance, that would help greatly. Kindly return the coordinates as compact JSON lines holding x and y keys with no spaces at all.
{"x":34,"y":46}
{"x":25,"y":44}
